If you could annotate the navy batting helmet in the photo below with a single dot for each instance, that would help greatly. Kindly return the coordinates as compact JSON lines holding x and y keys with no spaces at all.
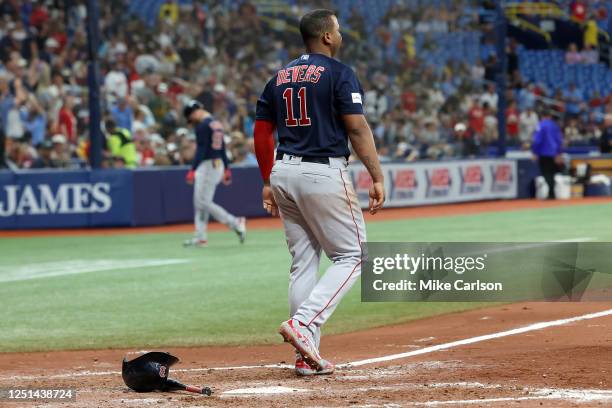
{"x":148,"y":372}
{"x":191,"y":107}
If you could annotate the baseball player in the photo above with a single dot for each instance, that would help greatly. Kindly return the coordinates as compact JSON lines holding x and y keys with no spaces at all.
{"x":209,"y":168}
{"x":315,"y":104}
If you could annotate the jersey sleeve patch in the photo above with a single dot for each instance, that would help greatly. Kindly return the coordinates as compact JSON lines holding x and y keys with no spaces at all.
{"x":356,"y":96}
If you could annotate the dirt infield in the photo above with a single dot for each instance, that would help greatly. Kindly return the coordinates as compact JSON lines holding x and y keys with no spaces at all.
{"x":561,"y":363}
{"x":441,"y":210}
{"x":525,"y":354}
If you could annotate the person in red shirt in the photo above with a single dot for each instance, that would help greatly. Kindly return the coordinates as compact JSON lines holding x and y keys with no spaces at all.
{"x":39,"y":16}
{"x":147,"y":153}
{"x":476,"y":117}
{"x":512,"y":122}
{"x":579,"y":10}
{"x":67,"y":120}
{"x":409,"y":101}
{"x":596,"y":100}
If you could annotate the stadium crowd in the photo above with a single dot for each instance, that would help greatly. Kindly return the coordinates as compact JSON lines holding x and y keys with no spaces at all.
{"x":223,"y":56}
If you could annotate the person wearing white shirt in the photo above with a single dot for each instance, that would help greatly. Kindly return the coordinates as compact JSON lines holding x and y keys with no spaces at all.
{"x":528,"y":123}
{"x":490,"y":97}
{"x":115,"y":85}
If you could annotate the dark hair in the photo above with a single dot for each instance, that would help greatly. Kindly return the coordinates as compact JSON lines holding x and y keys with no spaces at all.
{"x":315,"y":23}
{"x":110,"y":124}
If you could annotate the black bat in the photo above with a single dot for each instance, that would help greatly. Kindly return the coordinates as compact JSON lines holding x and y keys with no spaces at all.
{"x":173,"y":385}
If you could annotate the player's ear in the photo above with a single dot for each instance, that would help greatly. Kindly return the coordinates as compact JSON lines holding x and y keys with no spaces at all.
{"x":327,"y":38}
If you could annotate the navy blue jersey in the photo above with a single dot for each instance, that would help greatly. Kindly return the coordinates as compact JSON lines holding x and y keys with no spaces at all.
{"x":210,"y":143}
{"x":306,"y":101}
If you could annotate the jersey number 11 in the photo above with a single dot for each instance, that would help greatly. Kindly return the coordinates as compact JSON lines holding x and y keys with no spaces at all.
{"x":291,"y":121}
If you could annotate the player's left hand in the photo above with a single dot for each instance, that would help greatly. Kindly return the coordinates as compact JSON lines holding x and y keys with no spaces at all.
{"x":269,"y":204}
{"x":377,"y":197}
{"x":227,"y":177}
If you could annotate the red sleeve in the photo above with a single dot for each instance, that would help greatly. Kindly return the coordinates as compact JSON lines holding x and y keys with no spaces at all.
{"x":264,"y":147}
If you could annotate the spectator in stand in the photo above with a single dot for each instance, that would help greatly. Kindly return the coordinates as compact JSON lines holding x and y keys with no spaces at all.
{"x":490,"y":97}
{"x":579,"y":10}
{"x":466,"y":145}
{"x":67,"y":123}
{"x":601,"y":8}
{"x":433,"y":145}
{"x":572,"y":135}
{"x":512,"y":124}
{"x":409,"y":101}
{"x":115,"y":83}
{"x":589,"y":55}
{"x":490,"y":68}
{"x":527,"y":97}
{"x":33,"y":120}
{"x":120,"y":145}
{"x":405,"y":151}
{"x":122,"y":113}
{"x":44,"y":156}
{"x":477,"y":73}
{"x":592,"y":133}
{"x":528,"y":123}
{"x":376,"y":103}
{"x":597,"y":103}
{"x":546,"y":148}
{"x":573,"y":56}
{"x":476,"y":117}
{"x":60,"y":154}
{"x":591,"y":33}
{"x":16,"y":154}
{"x":490,"y":131}
{"x":558,"y":104}
{"x":573,"y":99}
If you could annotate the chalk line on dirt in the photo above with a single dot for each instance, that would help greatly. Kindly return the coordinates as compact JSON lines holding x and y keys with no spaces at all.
{"x":274,"y":390}
{"x":539,"y":394}
{"x":477,"y":339}
{"x":576,"y":395}
{"x":426,"y":350}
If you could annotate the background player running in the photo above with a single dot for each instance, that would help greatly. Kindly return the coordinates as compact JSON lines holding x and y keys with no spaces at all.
{"x":210,"y":167}
{"x":315,"y":103}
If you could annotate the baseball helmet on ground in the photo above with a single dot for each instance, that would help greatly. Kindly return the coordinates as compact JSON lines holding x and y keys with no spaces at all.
{"x":148,"y":372}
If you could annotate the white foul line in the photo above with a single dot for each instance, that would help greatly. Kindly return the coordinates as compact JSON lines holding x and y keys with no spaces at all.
{"x":110,"y":373}
{"x":577,"y":396}
{"x":14,"y":273}
{"x":426,"y":350}
{"x":570,"y":240}
{"x":431,"y":349}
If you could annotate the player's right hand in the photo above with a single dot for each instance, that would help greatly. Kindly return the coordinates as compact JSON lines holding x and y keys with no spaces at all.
{"x":190,"y":177}
{"x":269,"y":204}
{"x":377,"y":197}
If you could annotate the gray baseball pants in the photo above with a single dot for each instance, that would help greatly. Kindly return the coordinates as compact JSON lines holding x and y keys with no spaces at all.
{"x":320,"y":212}
{"x":208,"y":176}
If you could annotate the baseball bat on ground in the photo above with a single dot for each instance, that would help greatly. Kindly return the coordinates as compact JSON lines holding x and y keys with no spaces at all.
{"x":172,"y":385}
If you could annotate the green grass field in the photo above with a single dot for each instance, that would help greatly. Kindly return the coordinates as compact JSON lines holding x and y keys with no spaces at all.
{"x":223,"y":294}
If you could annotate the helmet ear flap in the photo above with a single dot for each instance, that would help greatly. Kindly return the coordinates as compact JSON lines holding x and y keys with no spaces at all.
{"x":147,"y":372}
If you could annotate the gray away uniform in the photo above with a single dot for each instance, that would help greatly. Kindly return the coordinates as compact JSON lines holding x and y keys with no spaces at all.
{"x":310,"y":181}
